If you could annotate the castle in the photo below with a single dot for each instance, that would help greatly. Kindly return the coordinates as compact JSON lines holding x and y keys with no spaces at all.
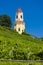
{"x":19,"y":24}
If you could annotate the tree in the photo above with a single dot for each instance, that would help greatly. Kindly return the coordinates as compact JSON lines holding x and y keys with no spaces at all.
{"x":5,"y":20}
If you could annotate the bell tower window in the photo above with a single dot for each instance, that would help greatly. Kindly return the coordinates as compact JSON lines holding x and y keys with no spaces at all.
{"x":21,"y":16}
{"x":16,"y":16}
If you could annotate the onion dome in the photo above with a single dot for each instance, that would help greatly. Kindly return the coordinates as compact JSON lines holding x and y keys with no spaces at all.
{"x":19,"y":10}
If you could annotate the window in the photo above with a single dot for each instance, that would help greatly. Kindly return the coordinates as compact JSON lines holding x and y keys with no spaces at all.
{"x":15,"y":24}
{"x":18,"y":29}
{"x":21,"y":16}
{"x":22,"y":30}
{"x":16,"y":16}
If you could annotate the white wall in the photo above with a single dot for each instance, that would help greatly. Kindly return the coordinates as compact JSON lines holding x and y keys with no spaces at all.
{"x":21,"y":26}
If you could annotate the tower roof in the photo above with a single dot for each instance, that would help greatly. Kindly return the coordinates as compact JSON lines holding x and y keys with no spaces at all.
{"x":19,"y":10}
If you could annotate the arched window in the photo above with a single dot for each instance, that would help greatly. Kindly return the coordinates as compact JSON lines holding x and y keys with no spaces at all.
{"x":18,"y":29}
{"x":16,"y":16}
{"x":21,"y":16}
{"x":22,"y":30}
{"x":15,"y":24}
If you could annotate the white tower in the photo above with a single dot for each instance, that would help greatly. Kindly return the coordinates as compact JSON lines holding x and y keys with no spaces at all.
{"x":19,"y":25}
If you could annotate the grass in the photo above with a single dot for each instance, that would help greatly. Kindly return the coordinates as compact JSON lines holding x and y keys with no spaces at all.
{"x":19,"y":47}
{"x":20,"y":63}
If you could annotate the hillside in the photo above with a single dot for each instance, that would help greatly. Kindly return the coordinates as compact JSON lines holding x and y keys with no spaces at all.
{"x":20,"y":63}
{"x":21,"y":47}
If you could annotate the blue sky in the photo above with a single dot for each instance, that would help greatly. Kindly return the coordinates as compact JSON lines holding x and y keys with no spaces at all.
{"x":33,"y":14}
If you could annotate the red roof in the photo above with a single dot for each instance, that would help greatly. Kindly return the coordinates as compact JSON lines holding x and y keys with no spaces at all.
{"x":19,"y":10}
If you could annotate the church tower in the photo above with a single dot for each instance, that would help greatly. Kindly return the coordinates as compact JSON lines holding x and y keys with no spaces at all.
{"x":19,"y":24}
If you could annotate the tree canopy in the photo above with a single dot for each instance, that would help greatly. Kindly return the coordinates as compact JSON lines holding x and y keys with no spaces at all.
{"x":5,"y":20}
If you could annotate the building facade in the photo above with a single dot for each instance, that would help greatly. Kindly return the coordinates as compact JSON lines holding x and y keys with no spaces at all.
{"x":19,"y":24}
